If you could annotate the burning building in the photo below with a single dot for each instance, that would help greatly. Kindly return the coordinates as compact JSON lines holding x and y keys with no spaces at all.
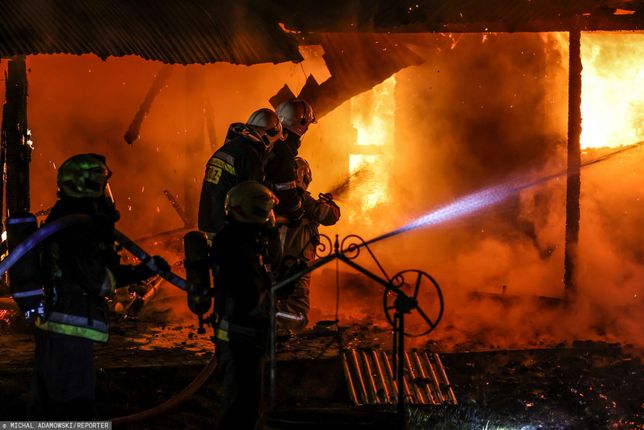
{"x":437,"y":120}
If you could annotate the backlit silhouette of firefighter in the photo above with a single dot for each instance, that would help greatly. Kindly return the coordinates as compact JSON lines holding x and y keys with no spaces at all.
{"x":296,"y":116}
{"x":300,"y":243}
{"x":80,"y":268}
{"x":242,"y":157}
{"x":243,"y":252}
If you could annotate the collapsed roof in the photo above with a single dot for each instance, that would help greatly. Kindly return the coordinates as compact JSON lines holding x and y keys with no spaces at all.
{"x":254,"y":31}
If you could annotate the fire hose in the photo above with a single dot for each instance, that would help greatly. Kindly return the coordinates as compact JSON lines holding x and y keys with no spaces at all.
{"x":147,"y":259}
{"x":67,"y":221}
{"x":41,"y":234}
{"x":173,"y":401}
{"x":53,"y":227}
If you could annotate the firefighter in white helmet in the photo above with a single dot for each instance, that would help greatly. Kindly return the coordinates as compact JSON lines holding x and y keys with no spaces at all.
{"x":296,"y":116}
{"x":241,"y":158}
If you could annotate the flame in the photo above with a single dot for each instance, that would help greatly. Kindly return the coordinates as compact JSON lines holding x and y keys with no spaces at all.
{"x":612,"y":105}
{"x":373,"y":114}
{"x":372,"y":190}
{"x":373,"y":117}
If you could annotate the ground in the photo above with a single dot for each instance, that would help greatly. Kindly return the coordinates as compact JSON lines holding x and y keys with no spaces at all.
{"x":584,"y":385}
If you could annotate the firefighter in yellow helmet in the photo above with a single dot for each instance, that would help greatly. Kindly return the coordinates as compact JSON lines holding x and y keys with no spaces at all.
{"x":300,"y":243}
{"x":243,"y":252}
{"x":80,"y":267}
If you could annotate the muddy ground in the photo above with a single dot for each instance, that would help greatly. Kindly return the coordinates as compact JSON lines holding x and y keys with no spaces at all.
{"x":584,"y":385}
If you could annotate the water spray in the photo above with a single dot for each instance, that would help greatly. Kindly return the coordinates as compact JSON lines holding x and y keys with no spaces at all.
{"x":487,"y":197}
{"x":344,"y":186}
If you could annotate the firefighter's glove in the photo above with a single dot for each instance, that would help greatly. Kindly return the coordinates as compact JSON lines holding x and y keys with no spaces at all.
{"x":327,"y":198}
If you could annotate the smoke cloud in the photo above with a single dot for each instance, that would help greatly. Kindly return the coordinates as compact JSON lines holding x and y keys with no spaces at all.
{"x":480,"y":110}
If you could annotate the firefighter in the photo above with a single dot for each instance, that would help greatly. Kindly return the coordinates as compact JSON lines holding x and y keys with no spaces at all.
{"x":80,"y":268}
{"x":296,"y":115}
{"x":241,"y":158}
{"x":300,"y":243}
{"x":243,"y":251}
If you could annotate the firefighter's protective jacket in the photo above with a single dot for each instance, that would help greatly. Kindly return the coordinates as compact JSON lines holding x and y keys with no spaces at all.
{"x":300,"y":241}
{"x":281,"y":176}
{"x":241,"y":158}
{"x":81,"y":267}
{"x":243,"y":255}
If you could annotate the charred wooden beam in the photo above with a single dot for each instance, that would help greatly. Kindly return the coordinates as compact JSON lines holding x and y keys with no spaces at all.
{"x":3,"y":159}
{"x":159,"y":81}
{"x":16,"y":143}
{"x":209,"y":111}
{"x":574,"y":164}
{"x":177,"y":207}
{"x":357,"y":63}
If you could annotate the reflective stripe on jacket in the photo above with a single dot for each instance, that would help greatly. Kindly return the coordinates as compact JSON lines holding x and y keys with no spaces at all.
{"x":97,"y":331}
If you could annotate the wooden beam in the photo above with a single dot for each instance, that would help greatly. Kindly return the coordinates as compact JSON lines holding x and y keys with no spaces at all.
{"x":15,"y":138}
{"x":574,"y":164}
{"x":160,"y":79}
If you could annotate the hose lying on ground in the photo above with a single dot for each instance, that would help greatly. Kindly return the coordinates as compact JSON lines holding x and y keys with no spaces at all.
{"x":173,"y":401}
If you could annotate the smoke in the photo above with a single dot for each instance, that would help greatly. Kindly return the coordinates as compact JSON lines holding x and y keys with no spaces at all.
{"x":480,"y":110}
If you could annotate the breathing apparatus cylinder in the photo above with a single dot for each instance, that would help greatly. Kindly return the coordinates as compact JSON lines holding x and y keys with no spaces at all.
{"x":198,"y":272}
{"x":25,"y":277}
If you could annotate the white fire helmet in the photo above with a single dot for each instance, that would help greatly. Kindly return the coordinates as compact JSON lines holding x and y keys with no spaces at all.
{"x":296,"y":116}
{"x":266,"y":120}
{"x":304,"y":175}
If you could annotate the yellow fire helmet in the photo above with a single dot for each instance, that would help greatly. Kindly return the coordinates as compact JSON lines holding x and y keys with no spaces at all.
{"x":83,"y":176}
{"x":250,"y":202}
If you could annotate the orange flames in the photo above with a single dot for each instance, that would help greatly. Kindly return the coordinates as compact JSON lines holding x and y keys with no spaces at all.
{"x":373,"y":117}
{"x":612,"y":105}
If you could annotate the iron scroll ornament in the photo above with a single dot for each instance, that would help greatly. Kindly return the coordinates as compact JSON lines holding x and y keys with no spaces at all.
{"x":425,"y":290}
{"x":324,"y":248}
{"x":422,"y":278}
{"x":349,"y":247}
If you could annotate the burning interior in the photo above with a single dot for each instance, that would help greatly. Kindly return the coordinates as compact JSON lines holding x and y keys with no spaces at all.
{"x":412,"y":127}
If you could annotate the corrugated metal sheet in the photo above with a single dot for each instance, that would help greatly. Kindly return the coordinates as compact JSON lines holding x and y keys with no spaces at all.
{"x":248,"y":31}
{"x":172,"y":31}
{"x":371,"y":378}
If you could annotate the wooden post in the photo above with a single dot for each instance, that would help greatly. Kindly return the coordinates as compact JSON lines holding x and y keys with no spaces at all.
{"x":16,"y":143}
{"x":574,"y":162}
{"x":195,"y":138}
